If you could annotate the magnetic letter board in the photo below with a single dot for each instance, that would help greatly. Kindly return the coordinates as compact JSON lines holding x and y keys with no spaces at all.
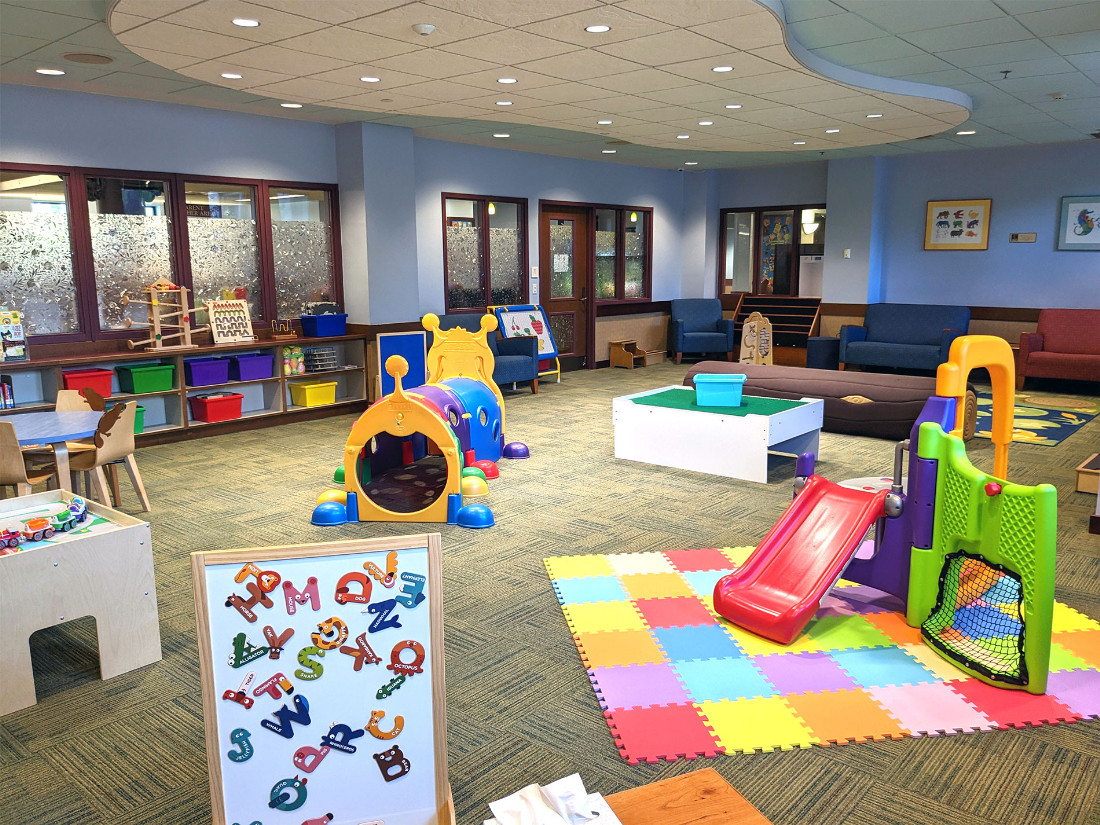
{"x":327,"y":703}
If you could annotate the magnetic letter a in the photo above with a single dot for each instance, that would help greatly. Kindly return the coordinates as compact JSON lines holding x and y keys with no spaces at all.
{"x":294,"y":597}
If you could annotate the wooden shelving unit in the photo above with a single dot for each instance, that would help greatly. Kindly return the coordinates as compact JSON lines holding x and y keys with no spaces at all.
{"x":167,"y":412}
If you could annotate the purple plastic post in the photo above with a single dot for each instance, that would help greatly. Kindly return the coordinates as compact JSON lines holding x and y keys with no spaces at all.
{"x":937,"y":408}
{"x":922,"y":495}
{"x":804,"y":465}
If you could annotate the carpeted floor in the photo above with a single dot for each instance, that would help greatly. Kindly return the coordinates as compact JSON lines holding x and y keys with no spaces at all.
{"x":520,"y":705}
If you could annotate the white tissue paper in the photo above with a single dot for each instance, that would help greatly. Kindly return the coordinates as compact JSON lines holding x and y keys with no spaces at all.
{"x":565,"y":802}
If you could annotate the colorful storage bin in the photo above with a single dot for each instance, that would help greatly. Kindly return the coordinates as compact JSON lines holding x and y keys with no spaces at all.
{"x":146,"y":378}
{"x":218,"y":406}
{"x":96,"y":379}
{"x":202,"y":372}
{"x":251,"y":366}
{"x":139,"y":420}
{"x":322,"y":326}
{"x":313,"y":393}
{"x":718,"y":390}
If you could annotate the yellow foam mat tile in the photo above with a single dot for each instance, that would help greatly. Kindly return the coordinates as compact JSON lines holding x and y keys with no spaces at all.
{"x":736,"y":554}
{"x":572,"y":567}
{"x":934,"y":662}
{"x":626,"y":564}
{"x":1065,"y":618}
{"x":763,"y":723}
{"x":594,"y":617}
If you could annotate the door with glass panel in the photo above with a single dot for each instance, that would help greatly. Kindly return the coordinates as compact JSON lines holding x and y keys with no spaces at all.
{"x":564,"y":280}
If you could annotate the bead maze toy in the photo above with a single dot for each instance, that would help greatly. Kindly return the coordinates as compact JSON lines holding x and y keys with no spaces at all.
{"x":970,"y":554}
{"x":406,"y":457}
{"x":169,"y":316}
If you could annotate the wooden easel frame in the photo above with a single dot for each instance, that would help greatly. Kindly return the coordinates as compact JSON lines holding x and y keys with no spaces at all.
{"x":259,"y":555}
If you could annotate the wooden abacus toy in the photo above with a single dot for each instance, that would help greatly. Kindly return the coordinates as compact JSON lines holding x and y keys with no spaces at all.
{"x":169,"y":316}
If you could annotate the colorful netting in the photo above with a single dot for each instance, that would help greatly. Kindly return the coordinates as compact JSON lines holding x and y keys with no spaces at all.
{"x":978,"y":619}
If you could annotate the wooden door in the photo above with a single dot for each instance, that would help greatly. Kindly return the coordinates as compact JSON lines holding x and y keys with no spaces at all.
{"x":565,"y":281}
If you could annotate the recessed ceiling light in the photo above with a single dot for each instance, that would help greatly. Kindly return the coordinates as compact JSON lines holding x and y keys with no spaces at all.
{"x":706,"y":122}
{"x":682,"y":137}
{"x":874,"y":115}
{"x":501,"y":134}
{"x":691,"y":163}
{"x":291,"y":105}
{"x":722,"y":69}
{"x":504,"y":103}
{"x":51,"y":72}
{"x":610,"y":151}
{"x":966,"y":132}
{"x":733,"y":105}
{"x":800,"y":143}
{"x":370,"y":79}
{"x":597,"y":29}
{"x":231,"y":76}
{"x":506,"y":80}
{"x":603,"y":122}
{"x":831,"y":131}
{"x":245,"y":22}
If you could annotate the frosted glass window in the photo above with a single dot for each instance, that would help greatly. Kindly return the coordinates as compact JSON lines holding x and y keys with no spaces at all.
{"x":634,"y":254}
{"x":131,"y":229}
{"x":465,"y":262}
{"x":36,"y":257}
{"x":301,"y":238}
{"x":485,"y":246}
{"x":622,"y":243}
{"x":506,"y":266}
{"x":606,"y":252}
{"x":223,"y":242}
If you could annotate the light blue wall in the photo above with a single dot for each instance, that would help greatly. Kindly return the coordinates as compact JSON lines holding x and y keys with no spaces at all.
{"x":1026,"y":185}
{"x":700,"y":236}
{"x":854,"y":223}
{"x":478,"y":170}
{"x":75,"y":129}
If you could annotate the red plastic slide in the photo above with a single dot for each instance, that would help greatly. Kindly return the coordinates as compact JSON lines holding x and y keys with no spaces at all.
{"x":780,"y":586}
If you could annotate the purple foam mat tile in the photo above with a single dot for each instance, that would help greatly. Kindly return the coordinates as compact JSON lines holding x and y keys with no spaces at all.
{"x":864,"y":599}
{"x":628,"y":686}
{"x":1079,"y":690}
{"x":803,"y":672}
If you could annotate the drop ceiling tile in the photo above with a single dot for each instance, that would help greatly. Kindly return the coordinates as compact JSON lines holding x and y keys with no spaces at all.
{"x":95,"y":38}
{"x":558,"y":112}
{"x":865,"y":51}
{"x":848,"y":104}
{"x":512,"y":14}
{"x":14,"y":45}
{"x":965,"y":35}
{"x":1065,"y":20}
{"x":779,"y":55}
{"x":202,"y":95}
{"x":152,"y":8}
{"x":22,"y":69}
{"x":1081,"y":43}
{"x":1024,"y":68}
{"x":706,"y":97}
{"x":349,"y":76}
{"x":218,"y":17}
{"x":583,"y":65}
{"x":563,"y":93}
{"x":175,"y":62}
{"x":901,"y":16}
{"x":690,"y":12}
{"x":625,"y":25}
{"x":793,"y":119}
{"x":510,"y":46}
{"x":779,"y":81}
{"x":905,"y":67}
{"x":149,"y":69}
{"x":470,"y":96}
{"x":34,"y":21}
{"x":834,"y":30}
{"x":665,"y":47}
{"x":642,"y":81}
{"x":301,"y":89}
{"x":1008,"y":121}
{"x":276,"y":59}
{"x":182,"y":40}
{"x":799,"y":10}
{"x":434,"y":64}
{"x":744,"y":65}
{"x":750,"y":32}
{"x":382,"y":102}
{"x":211,"y":73}
{"x":348,"y":45}
{"x":398,"y":23}
{"x":331,"y":11}
{"x":124,"y":81}
{"x":87,"y":9}
{"x":618,"y":105}
{"x":683,"y":116}
{"x":810,"y":94}
{"x":118,"y":22}
{"x":445,"y":110}
{"x":1086,"y":62}
{"x":1071,"y":84}
{"x":487,"y":79}
{"x":948,"y":77}
{"x":997,"y":54}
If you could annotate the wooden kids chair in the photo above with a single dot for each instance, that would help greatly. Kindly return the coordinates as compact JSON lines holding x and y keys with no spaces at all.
{"x":14,"y":471}
{"x":113,"y":444}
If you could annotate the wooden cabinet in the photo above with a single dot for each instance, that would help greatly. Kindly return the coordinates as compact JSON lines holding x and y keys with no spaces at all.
{"x":167,"y":411}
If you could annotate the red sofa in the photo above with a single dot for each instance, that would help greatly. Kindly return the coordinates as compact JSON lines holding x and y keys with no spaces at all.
{"x":1066,"y":344}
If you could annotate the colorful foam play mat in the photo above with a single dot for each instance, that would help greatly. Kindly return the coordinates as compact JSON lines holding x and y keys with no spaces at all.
{"x":1040,"y":418}
{"x":675,"y":680}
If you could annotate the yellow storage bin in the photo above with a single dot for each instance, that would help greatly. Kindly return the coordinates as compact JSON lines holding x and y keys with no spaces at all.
{"x":313,"y":393}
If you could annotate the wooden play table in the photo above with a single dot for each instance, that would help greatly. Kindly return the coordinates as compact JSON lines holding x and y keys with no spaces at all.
{"x":699,"y":798}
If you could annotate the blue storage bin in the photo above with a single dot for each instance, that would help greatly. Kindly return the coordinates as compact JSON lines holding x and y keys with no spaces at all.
{"x":322,"y":326}
{"x":718,"y":390}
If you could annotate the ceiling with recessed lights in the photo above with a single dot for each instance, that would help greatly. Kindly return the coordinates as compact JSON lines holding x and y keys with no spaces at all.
{"x":667,"y":83}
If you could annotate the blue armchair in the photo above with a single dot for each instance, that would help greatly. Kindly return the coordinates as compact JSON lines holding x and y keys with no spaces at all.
{"x":907,"y":336}
{"x":514,"y":359}
{"x":697,"y":326}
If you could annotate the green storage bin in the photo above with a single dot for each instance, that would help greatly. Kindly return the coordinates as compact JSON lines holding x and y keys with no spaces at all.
{"x":139,"y":420}
{"x":146,"y":378}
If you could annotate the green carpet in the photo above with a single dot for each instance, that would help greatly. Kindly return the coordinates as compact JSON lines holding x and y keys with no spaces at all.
{"x":1045,"y":418}
{"x":520,"y":706}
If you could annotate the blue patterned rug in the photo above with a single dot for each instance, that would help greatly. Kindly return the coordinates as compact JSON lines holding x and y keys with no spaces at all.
{"x":1039,"y":417}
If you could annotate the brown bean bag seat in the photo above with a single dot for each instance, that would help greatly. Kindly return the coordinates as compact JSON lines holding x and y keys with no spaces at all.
{"x":857,"y":403}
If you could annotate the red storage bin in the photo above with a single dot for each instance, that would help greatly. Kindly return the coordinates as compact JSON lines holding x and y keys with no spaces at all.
{"x":96,"y":379}
{"x":222,"y":406}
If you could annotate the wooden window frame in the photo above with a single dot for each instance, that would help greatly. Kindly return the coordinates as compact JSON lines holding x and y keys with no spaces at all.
{"x":622,"y":214}
{"x":481,"y":208}
{"x":732,"y":298}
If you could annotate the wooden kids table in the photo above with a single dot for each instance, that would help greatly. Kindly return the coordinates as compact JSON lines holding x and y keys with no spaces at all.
{"x":666,"y":427}
{"x":702,"y":797}
{"x":103,"y":569}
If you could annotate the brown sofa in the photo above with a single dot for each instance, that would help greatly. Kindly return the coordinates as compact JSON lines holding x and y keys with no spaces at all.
{"x":857,"y":403}
{"x":1066,"y":344}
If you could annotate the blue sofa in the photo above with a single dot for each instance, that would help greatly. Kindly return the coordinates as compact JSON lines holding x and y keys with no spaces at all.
{"x":906,"y":336}
{"x":696,"y":325}
{"x":514,"y":359}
